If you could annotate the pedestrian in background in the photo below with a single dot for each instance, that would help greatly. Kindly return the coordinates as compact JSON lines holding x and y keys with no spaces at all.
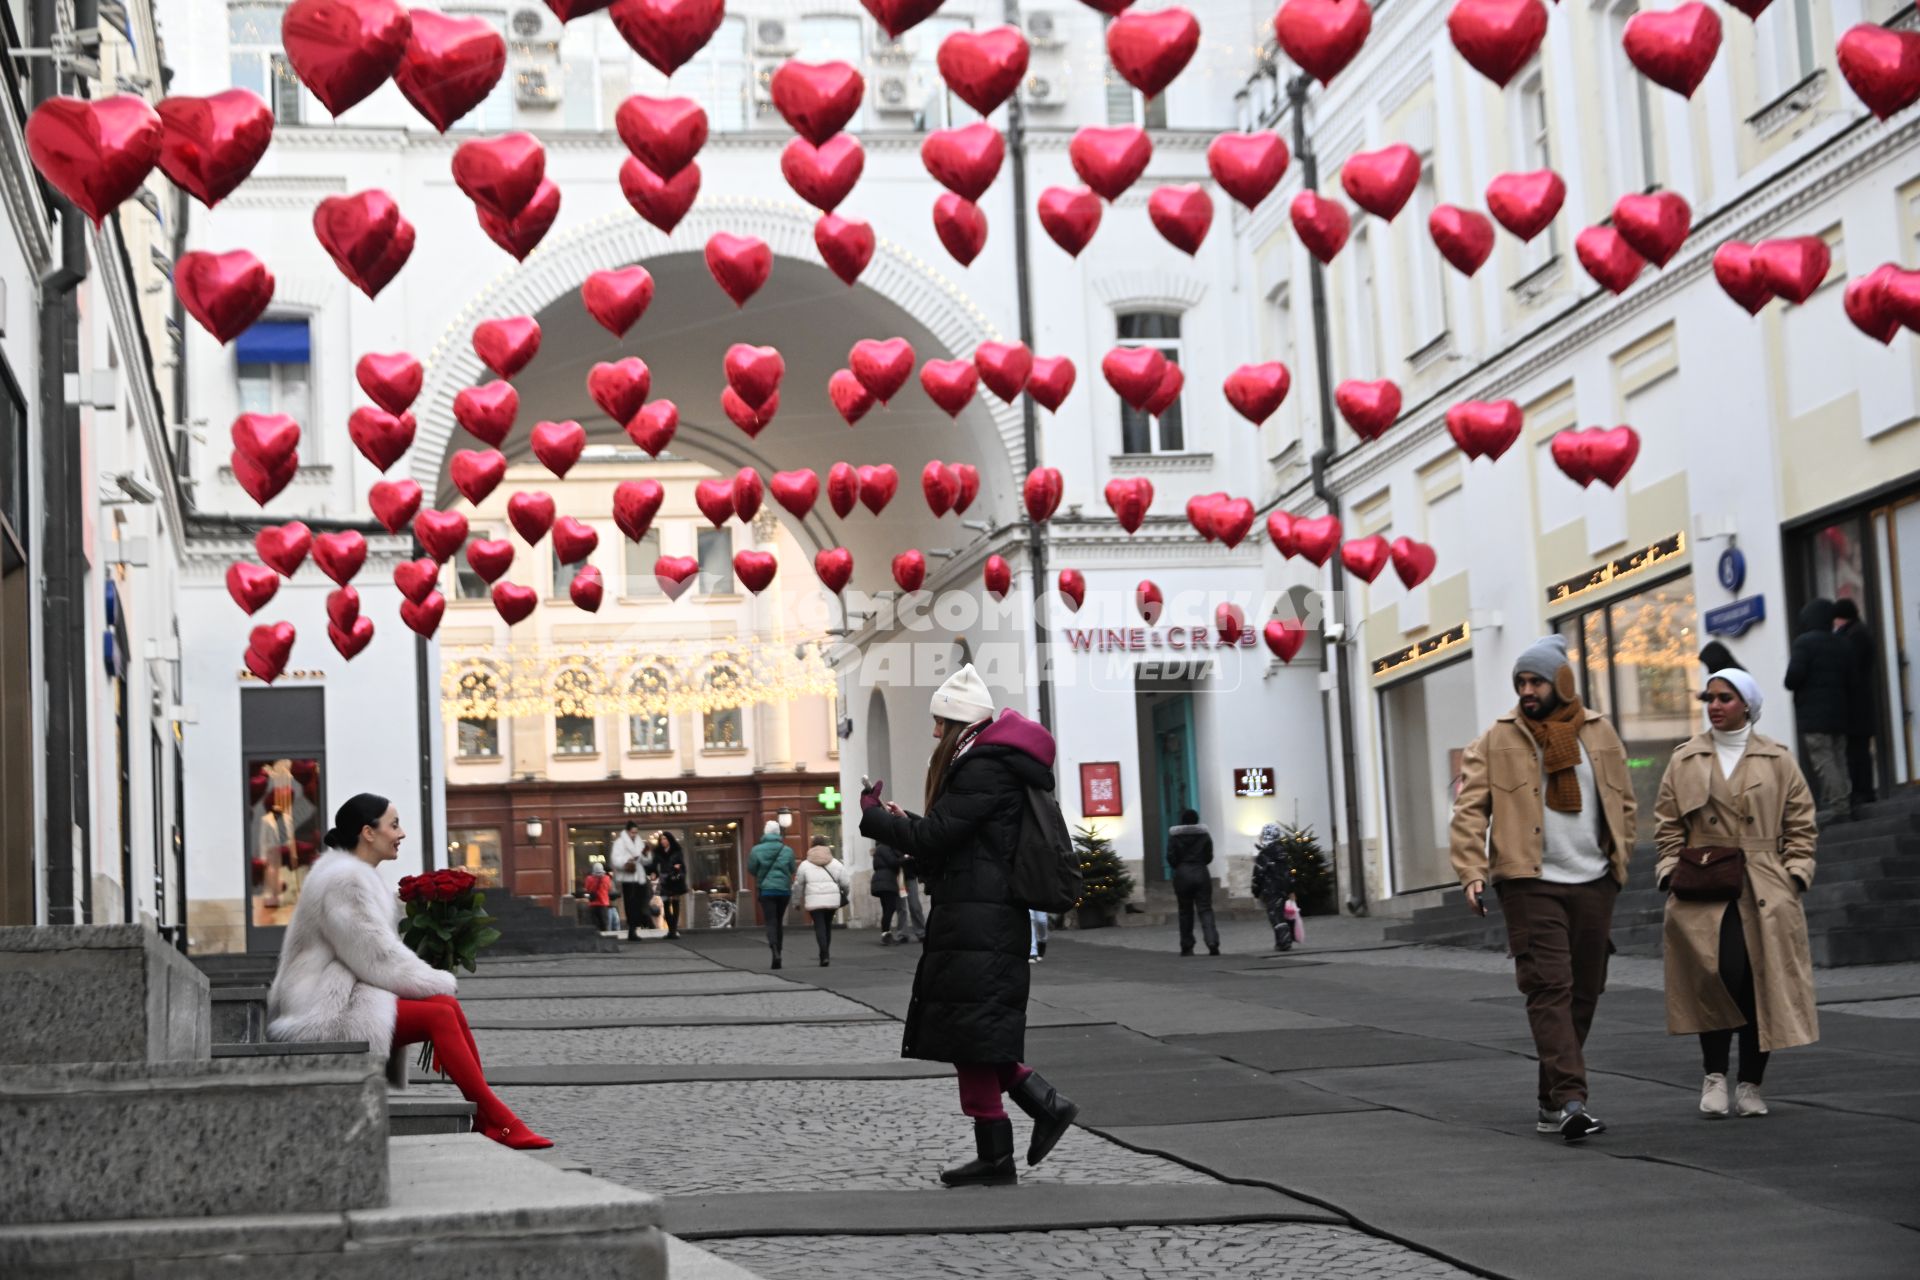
{"x":1189,"y":852}
{"x":1545,"y":812}
{"x":910,"y":890}
{"x":1737,"y":958}
{"x":1715,"y":656}
{"x":599,"y":889}
{"x":1039,"y":925}
{"x":671,"y":863}
{"x":771,"y":863}
{"x":821,"y":885}
{"x":885,"y":885}
{"x":1273,"y":883}
{"x":1820,"y":673}
{"x":629,"y":871}
{"x":1863,"y":702}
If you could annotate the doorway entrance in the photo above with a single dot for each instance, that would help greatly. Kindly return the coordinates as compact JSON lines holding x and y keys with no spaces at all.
{"x":1169,"y":768}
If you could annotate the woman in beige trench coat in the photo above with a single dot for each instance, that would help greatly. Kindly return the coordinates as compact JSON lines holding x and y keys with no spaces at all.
{"x":1742,"y":965}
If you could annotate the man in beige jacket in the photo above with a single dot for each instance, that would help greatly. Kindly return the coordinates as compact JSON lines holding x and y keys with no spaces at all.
{"x":1546,"y":814}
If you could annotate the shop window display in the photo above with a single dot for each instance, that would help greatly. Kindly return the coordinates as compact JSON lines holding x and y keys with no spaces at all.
{"x":477,"y":851}
{"x":1429,"y":721}
{"x":284,"y":826}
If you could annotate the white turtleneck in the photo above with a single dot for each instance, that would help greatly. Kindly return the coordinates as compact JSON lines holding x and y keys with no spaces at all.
{"x":1729,"y":746}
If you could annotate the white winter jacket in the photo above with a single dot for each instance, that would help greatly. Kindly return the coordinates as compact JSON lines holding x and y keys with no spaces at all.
{"x":342,"y":965}
{"x":817,"y":885}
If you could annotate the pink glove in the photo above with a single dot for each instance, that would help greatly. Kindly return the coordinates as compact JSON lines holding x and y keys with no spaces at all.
{"x":870,"y":796}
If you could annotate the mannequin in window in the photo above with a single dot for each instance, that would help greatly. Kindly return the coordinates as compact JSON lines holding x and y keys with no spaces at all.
{"x":273,"y":832}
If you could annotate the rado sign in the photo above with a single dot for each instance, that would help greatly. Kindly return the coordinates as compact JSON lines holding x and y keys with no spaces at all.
{"x":655,"y":801}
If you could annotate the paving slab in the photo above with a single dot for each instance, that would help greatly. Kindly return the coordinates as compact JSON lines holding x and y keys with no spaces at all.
{"x":1308,"y":1049}
{"x":667,"y":1073}
{"x":714,"y":982}
{"x":770,"y":1006}
{"x":871,"y":1041}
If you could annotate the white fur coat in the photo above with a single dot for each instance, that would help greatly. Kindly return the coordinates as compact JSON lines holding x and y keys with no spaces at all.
{"x":343,"y":966}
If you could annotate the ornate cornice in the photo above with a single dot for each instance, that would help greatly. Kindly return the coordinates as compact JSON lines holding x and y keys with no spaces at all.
{"x":21,"y":190}
{"x":1162,"y":288}
{"x":204,"y":559}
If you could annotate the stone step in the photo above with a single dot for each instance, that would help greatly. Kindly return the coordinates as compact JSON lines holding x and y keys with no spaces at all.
{"x":239,"y":1015}
{"x":99,"y":993}
{"x":461,"y":1207}
{"x":249,"y":969}
{"x":288,"y":1048}
{"x":1867,"y":945}
{"x":411,"y":1117}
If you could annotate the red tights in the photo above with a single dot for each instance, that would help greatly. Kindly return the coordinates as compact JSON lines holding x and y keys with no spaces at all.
{"x":441,"y":1020}
{"x":981,"y":1085}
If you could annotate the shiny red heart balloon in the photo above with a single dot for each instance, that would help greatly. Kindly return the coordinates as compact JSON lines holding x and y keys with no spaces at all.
{"x":661,"y":201}
{"x":620,"y":386}
{"x":1315,"y":538}
{"x":1734,"y":267}
{"x":416,"y":578}
{"x":1365,"y":557}
{"x":1284,"y":638}
{"x":1110,"y":160}
{"x":1042,"y":492}
{"x":1004,"y":368}
{"x":983,"y":68}
{"x":909,"y":570}
{"x":343,"y":606}
{"x":996,"y":576}
{"x":209,"y":145}
{"x":514,"y":602}
{"x":1230,"y":622}
{"x":1322,"y":36}
{"x":251,"y":585}
{"x":558,"y":445}
{"x":617,"y":299}
{"x":262,"y":483}
{"x":1381,"y":182}
{"x":1793,"y":268}
{"x":477,"y":472}
{"x":1052,"y":380}
{"x":1485,"y":429}
{"x":1172,"y":381}
{"x":423,"y":616}
{"x":755,"y":569}
{"x":1654,"y":225}
{"x":850,"y":399}
{"x":381,"y":436}
{"x":675,"y":574}
{"x":573,"y":540}
{"x":267,"y":439}
{"x":392,"y":381}
{"x":843,"y":488}
{"x":969,"y":486}
{"x":1497,"y":37}
{"x":500,"y":175}
{"x":1070,"y":215}
{"x":1129,"y":497}
{"x":268,"y":648}
{"x":754,"y":373}
{"x":359,"y":232}
{"x":522,"y":233}
{"x":940,"y":485}
{"x":531,"y":515}
{"x":343,"y":50}
{"x":1280,"y":532}
{"x":817,"y":99}
{"x":1526,"y":203}
{"x":897,"y":17}
{"x":1181,"y":215}
{"x":882,"y":366}
{"x":1369,"y":407}
{"x":1674,"y":48}
{"x":1232,"y":520}
{"x":654,"y":426}
{"x":1412,"y":561}
{"x":635,"y":503}
{"x":1869,"y":306}
{"x":1882,"y":67}
{"x":965,"y":161}
{"x":949,"y":383}
{"x":715,"y":500}
{"x":1321,"y":224}
{"x":1464,"y":238}
{"x":878,"y":484}
{"x":797,"y":491}
{"x":1148,"y":600}
{"x":1608,"y":258}
{"x":823,"y":175}
{"x":752,"y":419}
{"x":738,"y":264}
{"x":394,"y":502}
{"x":352,"y":638}
{"x":506,"y":345}
{"x":96,"y":154}
{"x":440,"y":533}
{"x":961,"y":226}
{"x":845,"y":244}
{"x":667,"y":32}
{"x":487,"y":411}
{"x":834,"y":567}
{"x":587,"y":588}
{"x":340,"y":555}
{"x":1073,"y":588}
{"x":664,"y":134}
{"x":225,"y":292}
{"x":1149,"y":49}
{"x":1134,"y":372}
{"x":1596,"y":453}
{"x":450,"y":65}
{"x":283,"y":546}
{"x":1248,"y":166}
{"x":1256,"y":391}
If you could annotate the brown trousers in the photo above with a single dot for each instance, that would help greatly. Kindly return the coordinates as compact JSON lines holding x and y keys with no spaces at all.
{"x":1560,"y":936}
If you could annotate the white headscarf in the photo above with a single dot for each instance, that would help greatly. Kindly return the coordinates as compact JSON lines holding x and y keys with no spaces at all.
{"x":1744,"y":685}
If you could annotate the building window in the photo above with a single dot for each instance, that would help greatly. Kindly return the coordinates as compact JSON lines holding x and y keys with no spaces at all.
{"x":479,"y":738}
{"x":1632,"y":150}
{"x":596,"y":73}
{"x":937,"y":107}
{"x":564,"y":574}
{"x":1363,"y":319}
{"x":573,"y":725}
{"x":836,"y":38}
{"x":1783,"y":47}
{"x":1140,"y":433}
{"x":496,"y":109}
{"x":256,"y":60}
{"x":640,"y":557}
{"x":14,"y":527}
{"x":273,"y":368}
{"x":648,"y":732}
{"x":718,"y":78}
{"x":1125,"y":105}
{"x":723,"y":728}
{"x":1533,"y":136}
{"x":715,"y":550}
{"x":1427,"y":274}
{"x":1429,"y":720}
{"x":477,"y":851}
{"x":283,"y":765}
{"x":468,"y":585}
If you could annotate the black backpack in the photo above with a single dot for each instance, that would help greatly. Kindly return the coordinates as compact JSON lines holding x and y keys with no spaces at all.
{"x":1046,"y":868}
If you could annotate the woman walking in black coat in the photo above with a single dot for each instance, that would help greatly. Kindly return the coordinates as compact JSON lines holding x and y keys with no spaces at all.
{"x":670,"y":860}
{"x":969,"y":1002}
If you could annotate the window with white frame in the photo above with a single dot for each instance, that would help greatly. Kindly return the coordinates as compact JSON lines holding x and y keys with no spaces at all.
{"x":1363,"y":312}
{"x":564,"y":574}
{"x":723,"y":728}
{"x":478,"y":737}
{"x":1140,"y":433}
{"x":273,"y":372}
{"x":468,"y":585}
{"x":1127,"y":105}
{"x":1285,"y":421}
{"x":1532,"y":132}
{"x":1427,"y":281}
{"x":257,"y":61}
{"x":649,"y":733}
{"x":937,"y":108}
{"x":714,"y":549}
{"x":596,"y":73}
{"x":719,"y":78}
{"x":641,"y":556}
{"x":1783,"y":48}
{"x":833,"y":37}
{"x":496,"y":109}
{"x":1631,"y":163}
{"x":573,"y":731}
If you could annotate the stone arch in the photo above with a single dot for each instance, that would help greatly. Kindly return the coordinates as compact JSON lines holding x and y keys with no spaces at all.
{"x":879,"y":736}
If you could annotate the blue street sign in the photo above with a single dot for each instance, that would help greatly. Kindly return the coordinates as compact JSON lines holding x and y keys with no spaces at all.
{"x":1734,"y":619}
{"x":1733,"y":570}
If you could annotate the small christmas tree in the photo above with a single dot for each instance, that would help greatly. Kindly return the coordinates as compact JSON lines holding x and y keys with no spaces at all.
{"x":1105,"y":878}
{"x":1313,"y":883}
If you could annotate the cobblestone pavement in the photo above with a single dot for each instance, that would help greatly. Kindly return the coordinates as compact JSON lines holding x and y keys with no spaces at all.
{"x":774,"y":1043}
{"x":773,"y":1006}
{"x":638,"y":957}
{"x":622,"y":984}
{"x":1280,"y":1251}
{"x":804,"y":1135}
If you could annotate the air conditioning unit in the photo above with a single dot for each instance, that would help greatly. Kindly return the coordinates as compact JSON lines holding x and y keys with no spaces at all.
{"x":770,"y":36}
{"x":1043,"y":91}
{"x":1043,"y":29}
{"x":763,"y":82}
{"x":893,"y":94}
{"x":533,"y":24}
{"x":533,"y":87}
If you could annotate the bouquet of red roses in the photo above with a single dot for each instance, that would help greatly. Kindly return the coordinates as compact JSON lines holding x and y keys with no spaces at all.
{"x":446,"y":924}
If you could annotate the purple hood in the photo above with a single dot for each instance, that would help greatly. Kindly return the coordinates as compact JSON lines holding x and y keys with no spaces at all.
{"x":1014,"y":730}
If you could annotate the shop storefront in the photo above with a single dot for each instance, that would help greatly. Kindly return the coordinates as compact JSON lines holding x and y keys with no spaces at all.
{"x":1426,"y":695}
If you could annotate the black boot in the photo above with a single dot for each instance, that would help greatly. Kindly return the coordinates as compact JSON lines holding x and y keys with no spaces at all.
{"x":993,"y":1165}
{"x":1052,"y":1114}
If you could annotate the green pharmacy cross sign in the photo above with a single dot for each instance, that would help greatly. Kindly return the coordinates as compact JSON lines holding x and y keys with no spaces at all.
{"x":829,"y":799}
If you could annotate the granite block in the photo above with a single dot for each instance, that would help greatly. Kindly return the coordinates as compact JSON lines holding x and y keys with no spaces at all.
{"x":99,"y":993}
{"x":239,"y":1015}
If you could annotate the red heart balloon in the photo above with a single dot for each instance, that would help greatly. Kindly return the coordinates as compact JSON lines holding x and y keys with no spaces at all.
{"x":1497,"y":37}
{"x":755,"y":569}
{"x":823,"y":175}
{"x":267,"y":439}
{"x":1321,"y":224}
{"x":664,"y":134}
{"x":340,"y":555}
{"x":514,"y":602}
{"x":488,"y":410}
{"x":1232,"y":520}
{"x":617,"y":299}
{"x":1365,"y":557}
{"x":1369,"y":407}
{"x":1323,"y":36}
{"x":343,"y":606}
{"x":715,"y":500}
{"x":850,"y":398}
{"x":845,"y":244}
{"x":983,"y":68}
{"x":531,"y":515}
{"x":358,"y":231}
{"x":635,"y":503}
{"x":797,"y":491}
{"x":423,"y":616}
{"x":897,"y":17}
{"x":1134,"y":372}
{"x":949,"y":383}
{"x":381,"y":436}
{"x":283,"y":546}
{"x":1181,"y":215}
{"x":620,"y":386}
{"x":1882,"y":67}
{"x":909,"y":570}
{"x":667,"y":32}
{"x":661,"y":201}
{"x":750,"y":419}
{"x":1200,"y":513}
{"x":477,"y":473}
{"x":965,"y":161}
{"x":1412,"y":561}
{"x":1738,"y":273}
{"x":1654,"y":226}
{"x":209,"y":145}
{"x":1150,"y":49}
{"x":941,"y":485}
{"x":1284,"y":638}
{"x":440,"y":532}
{"x":1381,"y":182}
{"x":1042,"y":492}
{"x":262,"y":483}
{"x":416,"y":578}
{"x":500,"y":175}
{"x":1792,"y":269}
{"x":961,"y":226}
{"x":1596,"y":454}
{"x":449,"y":66}
{"x":505,"y":346}
{"x":834,"y":567}
{"x":352,"y":638}
{"x":1484,"y":429}
{"x":1248,"y":166}
{"x":1280,"y":532}
{"x":816,"y":99}
{"x":1073,"y":588}
{"x":573,"y":540}
{"x":969,"y":486}
{"x":882,"y":366}
{"x":1315,"y":538}
{"x":1171,"y":383}
{"x":558,"y":445}
{"x":343,"y":50}
{"x":1052,"y":380}
{"x":1526,"y":203}
{"x":997,"y":575}
{"x":843,"y":488}
{"x":1110,"y":160}
{"x":1129,"y":497}
{"x":1230,"y":621}
{"x":877,"y":486}
{"x":738,"y":264}
{"x":392,"y":381}
{"x":1256,"y":391}
{"x":96,"y":154}
{"x":1070,"y":215}
{"x":522,"y":233}
{"x":394,"y":503}
{"x":1869,"y":306}
{"x":251,"y":585}
{"x":587,"y":588}
{"x":273,"y":641}
{"x":747,"y":494}
{"x":1004,"y":367}
{"x":1464,"y":238}
{"x":1674,"y":48}
{"x":675,"y":574}
{"x":653,"y":427}
{"x":1148,"y":600}
{"x":754,"y":373}
{"x":1608,"y":258}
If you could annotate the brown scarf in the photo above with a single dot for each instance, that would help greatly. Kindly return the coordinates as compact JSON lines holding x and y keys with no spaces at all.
{"x":1558,"y":735}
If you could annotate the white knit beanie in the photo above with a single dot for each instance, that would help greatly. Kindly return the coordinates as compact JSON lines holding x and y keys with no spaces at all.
{"x":772,"y":828}
{"x":964,"y":697}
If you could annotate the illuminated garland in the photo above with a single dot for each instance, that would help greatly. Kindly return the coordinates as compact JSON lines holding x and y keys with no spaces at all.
{"x":624,"y":679}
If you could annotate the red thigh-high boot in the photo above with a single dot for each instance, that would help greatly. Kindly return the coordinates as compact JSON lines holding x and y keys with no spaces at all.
{"x":441,"y":1021}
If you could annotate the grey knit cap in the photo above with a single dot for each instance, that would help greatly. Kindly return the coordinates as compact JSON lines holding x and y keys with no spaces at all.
{"x":1545,"y":657}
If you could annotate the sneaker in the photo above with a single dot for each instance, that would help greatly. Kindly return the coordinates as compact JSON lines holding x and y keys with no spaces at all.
{"x":886,"y":939}
{"x":1549,"y":1121}
{"x":1214,"y":950}
{"x":1747,"y":1102}
{"x":1713,"y":1096}
{"x":1578,"y":1124}
{"x":1033,"y":959}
